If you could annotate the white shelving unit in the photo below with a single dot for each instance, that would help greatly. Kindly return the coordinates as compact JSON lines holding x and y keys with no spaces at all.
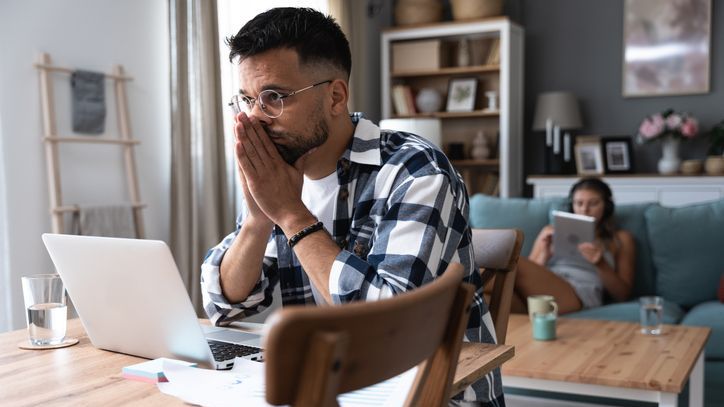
{"x":506,"y":78}
{"x":671,"y":191}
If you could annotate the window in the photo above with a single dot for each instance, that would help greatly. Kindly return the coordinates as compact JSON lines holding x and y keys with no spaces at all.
{"x":5,"y":285}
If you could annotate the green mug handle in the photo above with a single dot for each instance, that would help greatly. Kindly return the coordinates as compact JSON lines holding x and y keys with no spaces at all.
{"x":555,"y":307}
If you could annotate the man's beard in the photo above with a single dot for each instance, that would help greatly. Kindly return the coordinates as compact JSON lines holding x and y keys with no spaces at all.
{"x":297,"y":145}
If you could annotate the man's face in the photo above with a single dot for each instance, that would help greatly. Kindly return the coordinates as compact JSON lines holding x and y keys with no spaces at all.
{"x":302,"y":125}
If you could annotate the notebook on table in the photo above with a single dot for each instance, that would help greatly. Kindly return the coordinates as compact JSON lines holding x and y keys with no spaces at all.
{"x":130,"y":298}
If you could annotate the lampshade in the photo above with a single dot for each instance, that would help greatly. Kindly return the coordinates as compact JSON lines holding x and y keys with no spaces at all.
{"x":560,"y":107}
{"x":427,"y":128}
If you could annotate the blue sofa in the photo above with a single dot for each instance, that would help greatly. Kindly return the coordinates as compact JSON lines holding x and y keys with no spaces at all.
{"x":679,"y":256}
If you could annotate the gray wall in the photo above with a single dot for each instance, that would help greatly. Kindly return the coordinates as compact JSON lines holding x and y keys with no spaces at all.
{"x":576,"y":45}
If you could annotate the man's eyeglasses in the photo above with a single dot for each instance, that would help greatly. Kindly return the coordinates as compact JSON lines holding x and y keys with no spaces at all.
{"x":270,"y":101}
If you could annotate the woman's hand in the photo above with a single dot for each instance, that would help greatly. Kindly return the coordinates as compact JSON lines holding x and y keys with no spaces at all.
{"x":543,"y":246}
{"x":591,"y":251}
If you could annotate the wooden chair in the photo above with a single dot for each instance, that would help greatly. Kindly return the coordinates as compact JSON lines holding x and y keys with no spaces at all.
{"x":496,"y":254}
{"x":315,"y":353}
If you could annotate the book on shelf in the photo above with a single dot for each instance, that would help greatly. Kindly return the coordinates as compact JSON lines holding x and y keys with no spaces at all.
{"x":403,"y":101}
{"x":409,"y":100}
{"x":398,"y":101}
{"x":494,"y":52}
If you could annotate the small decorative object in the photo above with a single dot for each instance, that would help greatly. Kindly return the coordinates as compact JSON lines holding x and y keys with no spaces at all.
{"x":650,"y":26}
{"x":463,"y":52}
{"x":589,"y":159}
{"x":492,"y":100}
{"x":480,"y":149}
{"x":474,"y":9}
{"x":714,"y":165}
{"x":428,"y":100}
{"x":461,"y":95}
{"x":670,"y":127}
{"x":691,"y":167}
{"x":410,"y":12}
{"x":617,"y":154}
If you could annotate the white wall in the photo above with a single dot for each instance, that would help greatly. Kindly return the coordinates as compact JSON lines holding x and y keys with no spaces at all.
{"x":91,"y":35}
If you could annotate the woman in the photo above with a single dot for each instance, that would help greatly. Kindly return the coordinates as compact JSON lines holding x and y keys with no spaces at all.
{"x":607,"y":263}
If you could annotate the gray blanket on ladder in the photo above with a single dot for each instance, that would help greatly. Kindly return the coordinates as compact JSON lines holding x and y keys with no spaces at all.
{"x":106,"y":220}
{"x":89,"y":102}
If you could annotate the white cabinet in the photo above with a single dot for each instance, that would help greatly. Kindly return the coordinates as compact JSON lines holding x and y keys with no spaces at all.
{"x":667,"y":190}
{"x":435,"y":67}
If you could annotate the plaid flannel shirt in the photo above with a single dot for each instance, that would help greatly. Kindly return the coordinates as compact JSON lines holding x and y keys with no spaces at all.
{"x":400,"y":219}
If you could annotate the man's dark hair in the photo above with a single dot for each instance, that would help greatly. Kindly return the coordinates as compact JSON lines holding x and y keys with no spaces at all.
{"x":314,"y":36}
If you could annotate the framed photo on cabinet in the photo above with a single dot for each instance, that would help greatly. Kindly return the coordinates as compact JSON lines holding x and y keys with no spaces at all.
{"x":589,"y":159}
{"x":461,"y":94}
{"x":618,"y":155}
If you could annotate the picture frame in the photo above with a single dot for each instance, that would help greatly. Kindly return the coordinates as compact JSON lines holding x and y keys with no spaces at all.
{"x":618,"y":157}
{"x":652,"y":66}
{"x":461,"y":94}
{"x":589,"y":156}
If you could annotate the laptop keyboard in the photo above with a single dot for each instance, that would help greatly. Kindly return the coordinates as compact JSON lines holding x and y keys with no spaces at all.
{"x":225,"y":351}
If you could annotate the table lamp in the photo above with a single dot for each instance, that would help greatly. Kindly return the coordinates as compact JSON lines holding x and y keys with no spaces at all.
{"x":427,"y":128}
{"x":556,"y":111}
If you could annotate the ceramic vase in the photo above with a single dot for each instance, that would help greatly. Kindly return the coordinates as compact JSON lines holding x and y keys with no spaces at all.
{"x":669,"y":161}
{"x":480,"y":149}
{"x":428,"y":100}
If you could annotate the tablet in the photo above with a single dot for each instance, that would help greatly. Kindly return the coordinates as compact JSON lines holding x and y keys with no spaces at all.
{"x":570,"y":231}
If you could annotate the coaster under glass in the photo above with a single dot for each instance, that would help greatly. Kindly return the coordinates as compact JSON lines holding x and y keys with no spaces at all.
{"x":26,"y":344}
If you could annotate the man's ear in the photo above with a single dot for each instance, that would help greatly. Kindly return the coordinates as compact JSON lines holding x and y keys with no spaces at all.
{"x":340,"y":96}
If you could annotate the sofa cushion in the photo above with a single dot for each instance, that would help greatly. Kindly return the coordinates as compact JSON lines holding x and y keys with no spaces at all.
{"x":686,"y":247}
{"x":529,"y":215}
{"x":710,"y":314}
{"x":631,"y":218}
{"x":627,"y":312}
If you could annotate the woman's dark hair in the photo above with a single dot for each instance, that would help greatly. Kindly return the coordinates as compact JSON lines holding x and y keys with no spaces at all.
{"x":606,"y":226}
{"x":314,"y":36}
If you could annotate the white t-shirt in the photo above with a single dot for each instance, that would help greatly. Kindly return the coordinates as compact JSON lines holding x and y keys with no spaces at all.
{"x":319,"y":197}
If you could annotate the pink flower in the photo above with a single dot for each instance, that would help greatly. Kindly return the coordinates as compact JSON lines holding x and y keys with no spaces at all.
{"x":652,"y":126}
{"x":673,"y":121}
{"x":690,"y":127}
{"x":668,"y":124}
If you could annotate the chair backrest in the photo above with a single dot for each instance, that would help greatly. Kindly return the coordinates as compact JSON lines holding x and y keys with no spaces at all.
{"x":496,"y":254}
{"x":315,"y":353}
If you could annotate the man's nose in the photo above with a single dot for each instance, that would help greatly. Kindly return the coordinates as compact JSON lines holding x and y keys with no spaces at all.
{"x":258,"y":113}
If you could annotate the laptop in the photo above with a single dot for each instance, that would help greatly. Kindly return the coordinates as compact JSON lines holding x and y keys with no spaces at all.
{"x":130,"y":298}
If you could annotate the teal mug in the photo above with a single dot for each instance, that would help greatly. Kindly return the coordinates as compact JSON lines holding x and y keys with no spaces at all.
{"x":544,"y":326}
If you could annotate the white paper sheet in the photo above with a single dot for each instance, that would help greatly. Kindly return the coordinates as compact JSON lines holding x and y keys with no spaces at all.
{"x":244,"y":385}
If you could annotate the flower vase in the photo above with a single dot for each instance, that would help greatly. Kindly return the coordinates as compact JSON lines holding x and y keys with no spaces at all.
{"x":669,"y":161}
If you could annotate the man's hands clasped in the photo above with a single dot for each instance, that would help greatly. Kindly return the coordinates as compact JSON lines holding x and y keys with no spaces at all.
{"x":272,"y":188}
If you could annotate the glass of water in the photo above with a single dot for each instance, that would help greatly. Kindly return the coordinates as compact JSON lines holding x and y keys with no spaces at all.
{"x":651,"y":310}
{"x":46,"y":309}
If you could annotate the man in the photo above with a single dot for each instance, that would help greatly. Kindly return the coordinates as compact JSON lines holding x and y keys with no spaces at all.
{"x":336,"y":210}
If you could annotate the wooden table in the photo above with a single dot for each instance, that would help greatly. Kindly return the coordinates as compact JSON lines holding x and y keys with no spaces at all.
{"x":84,"y":375}
{"x":609,"y":359}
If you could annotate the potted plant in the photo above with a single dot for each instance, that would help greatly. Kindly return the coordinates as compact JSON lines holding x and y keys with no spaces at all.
{"x":716,"y":139}
{"x":714,"y":164}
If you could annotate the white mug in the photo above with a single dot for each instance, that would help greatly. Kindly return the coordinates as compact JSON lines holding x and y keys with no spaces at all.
{"x":542,"y":304}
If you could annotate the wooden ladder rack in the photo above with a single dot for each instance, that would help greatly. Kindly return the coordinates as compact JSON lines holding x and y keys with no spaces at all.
{"x":52,"y":138}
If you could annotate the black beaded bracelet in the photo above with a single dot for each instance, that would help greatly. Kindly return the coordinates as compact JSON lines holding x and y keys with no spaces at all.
{"x":304,"y":233}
